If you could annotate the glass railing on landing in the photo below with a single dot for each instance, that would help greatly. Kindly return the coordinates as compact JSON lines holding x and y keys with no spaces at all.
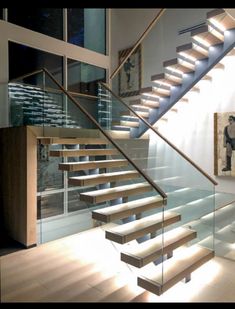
{"x":36,"y":100}
{"x":190,"y":191}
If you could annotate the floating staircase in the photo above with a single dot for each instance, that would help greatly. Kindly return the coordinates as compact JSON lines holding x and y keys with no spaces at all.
{"x":193,"y":62}
{"x":118,"y":194}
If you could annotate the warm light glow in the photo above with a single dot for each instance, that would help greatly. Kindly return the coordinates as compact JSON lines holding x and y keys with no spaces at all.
{"x":165,"y":83}
{"x":188,"y":56}
{"x":151,"y":95}
{"x":202,"y":41}
{"x":216,"y":33}
{"x":173,"y":78}
{"x":186,"y":64}
{"x":164,"y":91}
{"x":217,"y":24}
{"x":178,"y":71}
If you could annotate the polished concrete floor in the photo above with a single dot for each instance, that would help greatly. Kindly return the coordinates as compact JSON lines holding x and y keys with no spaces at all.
{"x":87,"y":268}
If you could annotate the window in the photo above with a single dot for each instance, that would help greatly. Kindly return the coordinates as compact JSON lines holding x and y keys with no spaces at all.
{"x":48,"y":21}
{"x":86,"y":28}
{"x":24,"y":60}
{"x":83,"y":77}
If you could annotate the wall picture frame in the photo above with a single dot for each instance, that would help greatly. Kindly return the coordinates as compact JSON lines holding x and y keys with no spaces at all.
{"x":224,"y":144}
{"x":130,"y":73}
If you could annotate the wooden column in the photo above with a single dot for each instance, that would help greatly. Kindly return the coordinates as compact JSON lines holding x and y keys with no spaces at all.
{"x":18,"y":185}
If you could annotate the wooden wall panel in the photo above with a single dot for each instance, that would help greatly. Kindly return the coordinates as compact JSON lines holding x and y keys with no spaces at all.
{"x":18,"y":170}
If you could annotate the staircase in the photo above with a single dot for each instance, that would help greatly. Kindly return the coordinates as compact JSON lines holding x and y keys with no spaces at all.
{"x":117,"y":194}
{"x":181,"y":74}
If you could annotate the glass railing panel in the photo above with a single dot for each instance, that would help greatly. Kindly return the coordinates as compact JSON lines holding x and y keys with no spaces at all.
{"x":189,"y":192}
{"x":51,"y":108}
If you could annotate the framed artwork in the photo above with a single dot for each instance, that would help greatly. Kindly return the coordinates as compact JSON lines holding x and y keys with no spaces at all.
{"x":130,"y":73}
{"x":224,"y":150}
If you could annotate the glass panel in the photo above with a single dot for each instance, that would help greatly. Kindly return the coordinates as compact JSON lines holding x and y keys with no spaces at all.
{"x":49,"y":177}
{"x":48,"y":21}
{"x":189,"y":193}
{"x":86,"y":28}
{"x":84,"y":78}
{"x":50,"y":205}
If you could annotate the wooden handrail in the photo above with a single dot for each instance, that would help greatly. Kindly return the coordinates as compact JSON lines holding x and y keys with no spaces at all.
{"x":146,"y":177}
{"x":160,"y":135}
{"x":144,"y":34}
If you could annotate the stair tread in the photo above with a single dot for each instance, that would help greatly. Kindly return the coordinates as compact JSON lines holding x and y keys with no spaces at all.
{"x":150,"y":250}
{"x":108,"y":211}
{"x":106,"y":177}
{"x":221,"y":17}
{"x":76,"y":166}
{"x":192,"y":50}
{"x":140,"y":224}
{"x":178,"y":64}
{"x":166,"y":78}
{"x":82,"y":152}
{"x":74,"y":141}
{"x":207,"y":34}
{"x":175,"y":269}
{"x":90,"y":162}
{"x":116,"y":189}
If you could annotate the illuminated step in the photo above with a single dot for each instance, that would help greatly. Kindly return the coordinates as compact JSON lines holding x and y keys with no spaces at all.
{"x":174,"y":270}
{"x":155,"y":92}
{"x":102,"y":178}
{"x":152,"y":249}
{"x":125,"y":210}
{"x":192,"y":51}
{"x":206,"y":36}
{"x":166,"y":79}
{"x":82,"y":152}
{"x":135,"y":229}
{"x":127,"y":114}
{"x":73,"y":141}
{"x":220,"y":19}
{"x":144,"y":103}
{"x":86,"y":165}
{"x":132,"y":124}
{"x":98,"y":196}
{"x":179,"y":66}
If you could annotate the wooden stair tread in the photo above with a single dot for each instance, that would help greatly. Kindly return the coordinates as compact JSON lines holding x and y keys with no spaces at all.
{"x":143,"y":114}
{"x":192,"y":50}
{"x":125,"y":210}
{"x":77,"y":166}
{"x":102,"y":178}
{"x":175,"y":269}
{"x":135,"y":229}
{"x":221,"y":17}
{"x":152,"y":249}
{"x":166,"y":78}
{"x":82,"y":152}
{"x":205,"y":34}
{"x":74,"y":141}
{"x":179,"y":64}
{"x":98,"y":196}
{"x":127,"y":123}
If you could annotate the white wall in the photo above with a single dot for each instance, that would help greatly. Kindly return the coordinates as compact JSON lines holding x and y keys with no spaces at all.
{"x":192,"y":128}
{"x":160,"y":44}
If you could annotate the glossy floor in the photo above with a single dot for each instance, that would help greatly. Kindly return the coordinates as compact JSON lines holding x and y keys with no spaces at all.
{"x":87,"y":268}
